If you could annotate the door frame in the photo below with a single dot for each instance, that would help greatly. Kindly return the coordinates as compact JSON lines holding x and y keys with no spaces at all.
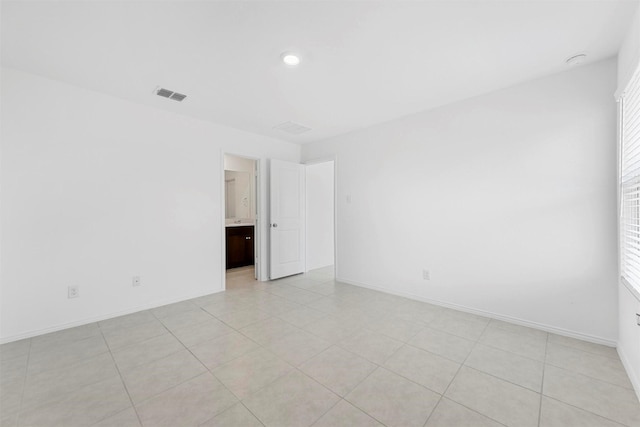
{"x":325,"y":159}
{"x":258,"y":225}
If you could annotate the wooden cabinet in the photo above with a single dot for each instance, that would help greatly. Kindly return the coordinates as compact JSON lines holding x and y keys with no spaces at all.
{"x":240,"y":246}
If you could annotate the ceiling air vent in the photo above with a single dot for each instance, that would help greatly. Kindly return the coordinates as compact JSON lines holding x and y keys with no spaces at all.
{"x":292,"y":128}
{"x":166,"y":93}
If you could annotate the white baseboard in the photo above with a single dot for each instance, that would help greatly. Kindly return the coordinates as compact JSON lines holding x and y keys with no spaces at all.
{"x":36,"y":332}
{"x":634,"y":376}
{"x":515,"y":320}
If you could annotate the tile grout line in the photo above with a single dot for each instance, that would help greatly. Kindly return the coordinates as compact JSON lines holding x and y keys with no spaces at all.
{"x":454,"y":377}
{"x":24,"y":384}
{"x":581,"y":408}
{"x":544,"y":368}
{"x":124,"y":384}
{"x":587,"y":411}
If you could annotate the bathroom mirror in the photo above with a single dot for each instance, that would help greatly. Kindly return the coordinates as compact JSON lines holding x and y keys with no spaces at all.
{"x":238,"y":203}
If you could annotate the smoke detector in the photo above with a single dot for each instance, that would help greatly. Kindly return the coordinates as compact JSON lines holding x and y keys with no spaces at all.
{"x":166,"y":93}
{"x":576,"y":59}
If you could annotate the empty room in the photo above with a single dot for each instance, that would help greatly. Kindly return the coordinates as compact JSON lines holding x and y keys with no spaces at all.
{"x":320,"y":213}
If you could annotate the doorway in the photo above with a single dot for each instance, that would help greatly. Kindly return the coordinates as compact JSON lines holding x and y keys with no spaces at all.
{"x":241,"y":248}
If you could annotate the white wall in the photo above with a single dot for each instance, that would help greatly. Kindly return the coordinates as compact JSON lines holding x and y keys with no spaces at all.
{"x":96,"y":190}
{"x":629,"y":302}
{"x":629,"y":54}
{"x":509,"y":199}
{"x":320,"y":214}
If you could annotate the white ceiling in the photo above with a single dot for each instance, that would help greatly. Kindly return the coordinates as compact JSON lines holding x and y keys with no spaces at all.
{"x":363,"y":62}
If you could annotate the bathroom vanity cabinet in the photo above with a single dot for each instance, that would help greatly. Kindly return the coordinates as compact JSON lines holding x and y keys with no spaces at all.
{"x":240,"y":246}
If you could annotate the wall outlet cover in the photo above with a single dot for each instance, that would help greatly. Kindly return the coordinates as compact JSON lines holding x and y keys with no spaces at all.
{"x":73,"y":292}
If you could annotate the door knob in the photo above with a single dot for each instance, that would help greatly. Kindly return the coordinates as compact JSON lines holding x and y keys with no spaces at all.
{"x":274,"y":225}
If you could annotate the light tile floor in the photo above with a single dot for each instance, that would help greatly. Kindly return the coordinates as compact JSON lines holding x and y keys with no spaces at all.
{"x":307,"y":350}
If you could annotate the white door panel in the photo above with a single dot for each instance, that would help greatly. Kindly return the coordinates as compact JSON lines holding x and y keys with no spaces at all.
{"x":287,"y":201}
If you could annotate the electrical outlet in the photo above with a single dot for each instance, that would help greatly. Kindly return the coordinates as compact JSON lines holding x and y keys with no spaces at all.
{"x":426,"y":275}
{"x":136,"y":281}
{"x":73,"y":292}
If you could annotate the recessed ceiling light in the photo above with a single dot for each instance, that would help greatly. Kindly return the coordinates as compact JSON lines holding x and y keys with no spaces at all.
{"x":290,"y":59}
{"x":577,"y":59}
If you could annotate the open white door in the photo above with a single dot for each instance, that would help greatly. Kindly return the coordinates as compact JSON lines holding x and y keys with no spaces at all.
{"x":287,"y":202}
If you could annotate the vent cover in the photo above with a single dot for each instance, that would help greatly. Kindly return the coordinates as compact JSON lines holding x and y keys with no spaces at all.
{"x":292,"y":128}
{"x":166,"y":93}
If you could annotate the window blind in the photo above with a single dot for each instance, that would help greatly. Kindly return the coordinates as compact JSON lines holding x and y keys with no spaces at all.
{"x":630,"y":182}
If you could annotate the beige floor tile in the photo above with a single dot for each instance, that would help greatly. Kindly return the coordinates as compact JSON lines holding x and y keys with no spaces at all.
{"x":298,"y":347}
{"x":329,"y":304}
{"x":345,"y":414}
{"x":464,"y":325}
{"x":251,"y":372}
{"x":11,"y":395}
{"x":393,"y":400}
{"x":589,"y":347}
{"x":603,"y":368}
{"x":396,"y":328}
{"x":13,"y":369}
{"x":326,"y":288}
{"x":228,"y":305}
{"x":66,"y":355}
{"x":605,"y":399}
{"x":430,"y":370}
{"x":211,"y":299}
{"x":196,"y":334}
{"x":558,"y":414}
{"x":148,"y":380}
{"x":507,"y":403}
{"x":422,"y":313}
{"x":292,"y":401}
{"x":443,"y":344}
{"x":515,"y":329}
{"x":507,"y":366}
{"x":276,"y":306}
{"x":146,"y":351}
{"x":338,"y":369}
{"x":84,"y":407}
{"x":294,"y":294}
{"x":126,"y":321}
{"x":355,"y":317}
{"x":188,"y":404}
{"x":9,"y":418}
{"x":236,"y":416}
{"x":331,"y":330}
{"x":530,"y":346}
{"x":126,"y":418}
{"x":54,"y":385}
{"x":373,"y":346}
{"x":171,"y":309}
{"x":15,"y":349}
{"x":301,"y":316}
{"x":221,"y":350}
{"x":54,"y":340}
{"x":241,"y":318}
{"x":451,"y":414}
{"x":185,"y":318}
{"x":122,"y":337}
{"x":268,"y":330}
